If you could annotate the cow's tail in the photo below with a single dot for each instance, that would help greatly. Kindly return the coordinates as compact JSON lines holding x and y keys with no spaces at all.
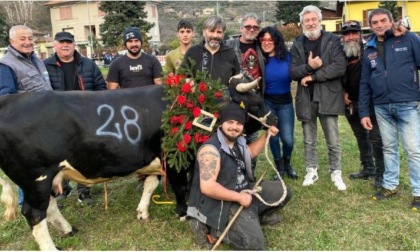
{"x":8,"y":198}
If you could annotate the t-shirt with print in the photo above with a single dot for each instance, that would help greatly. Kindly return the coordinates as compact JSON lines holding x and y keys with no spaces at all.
{"x":250,"y":61}
{"x":242,"y":179}
{"x":129,"y":73}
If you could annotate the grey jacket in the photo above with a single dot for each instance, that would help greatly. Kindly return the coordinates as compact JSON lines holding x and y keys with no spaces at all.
{"x":328,"y":91}
{"x":234,"y":43}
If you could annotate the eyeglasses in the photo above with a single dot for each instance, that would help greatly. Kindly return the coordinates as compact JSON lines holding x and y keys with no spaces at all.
{"x":253,"y":27}
{"x":266,"y":41}
{"x":350,"y":25}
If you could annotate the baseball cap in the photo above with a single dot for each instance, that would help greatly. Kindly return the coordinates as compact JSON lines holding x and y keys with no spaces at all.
{"x":351,"y":25}
{"x":64,"y":36}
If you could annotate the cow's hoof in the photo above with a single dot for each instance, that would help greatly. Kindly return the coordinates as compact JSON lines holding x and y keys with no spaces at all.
{"x":73,"y":231}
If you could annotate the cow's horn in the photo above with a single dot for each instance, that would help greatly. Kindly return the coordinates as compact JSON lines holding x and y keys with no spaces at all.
{"x":245,"y":87}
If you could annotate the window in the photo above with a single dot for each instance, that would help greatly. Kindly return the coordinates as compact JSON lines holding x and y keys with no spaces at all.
{"x":100,"y":13}
{"x":65,"y":12}
{"x":153,"y":11}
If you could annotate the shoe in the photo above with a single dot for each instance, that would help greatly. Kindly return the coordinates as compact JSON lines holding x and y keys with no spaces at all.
{"x":66,"y":193}
{"x":85,"y":198}
{"x":270,"y":219}
{"x":365,"y":173}
{"x":289,"y":169}
{"x":311,"y":176}
{"x":378,"y":182}
{"x":384,"y":193}
{"x":416,"y":204}
{"x":200,"y":232}
{"x":338,"y":180}
{"x":279,"y":167}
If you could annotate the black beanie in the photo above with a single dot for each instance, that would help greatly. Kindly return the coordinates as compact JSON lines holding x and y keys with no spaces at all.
{"x":232,"y":112}
{"x":131,"y":32}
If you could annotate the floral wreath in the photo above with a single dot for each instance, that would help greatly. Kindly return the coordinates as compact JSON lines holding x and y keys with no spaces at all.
{"x":188,"y":97}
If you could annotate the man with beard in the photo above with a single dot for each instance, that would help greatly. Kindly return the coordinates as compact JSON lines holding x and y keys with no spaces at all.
{"x":390,"y":83}
{"x":212,"y":55}
{"x":68,"y":70}
{"x":318,"y":64}
{"x":135,"y":69}
{"x":221,"y":185}
{"x":368,"y":142}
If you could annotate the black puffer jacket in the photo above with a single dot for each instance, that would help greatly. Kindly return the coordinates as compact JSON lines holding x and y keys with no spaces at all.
{"x":88,"y":74}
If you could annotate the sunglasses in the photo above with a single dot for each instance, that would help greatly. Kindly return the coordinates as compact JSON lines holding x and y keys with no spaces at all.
{"x":351,"y":25}
{"x":253,"y":27}
{"x":266,"y":41}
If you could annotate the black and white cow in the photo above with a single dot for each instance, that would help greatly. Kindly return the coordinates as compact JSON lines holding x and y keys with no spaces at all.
{"x":88,"y":137}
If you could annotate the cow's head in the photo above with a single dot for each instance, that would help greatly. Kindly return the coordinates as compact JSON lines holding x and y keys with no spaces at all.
{"x":245,"y":91}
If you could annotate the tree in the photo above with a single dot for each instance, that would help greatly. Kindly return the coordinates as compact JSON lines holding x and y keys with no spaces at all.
{"x":26,"y":12}
{"x":391,"y":6}
{"x":4,"y":30}
{"x":288,"y":11}
{"x":120,"y":15}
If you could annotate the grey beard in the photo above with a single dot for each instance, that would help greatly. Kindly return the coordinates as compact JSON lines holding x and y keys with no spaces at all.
{"x":312,"y":35}
{"x":352,"y":49}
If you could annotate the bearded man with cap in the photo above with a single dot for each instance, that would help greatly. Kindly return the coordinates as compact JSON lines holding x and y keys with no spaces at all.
{"x":69,"y":70}
{"x":136,"y":68}
{"x":222,"y":171}
{"x":368,"y":142}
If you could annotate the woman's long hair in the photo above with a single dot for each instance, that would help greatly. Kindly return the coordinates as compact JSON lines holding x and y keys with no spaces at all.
{"x":279,"y":44}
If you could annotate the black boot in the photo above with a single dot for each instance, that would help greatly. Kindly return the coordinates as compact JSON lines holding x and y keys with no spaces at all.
{"x":279,"y":167}
{"x":288,"y":168}
{"x":367,"y":171}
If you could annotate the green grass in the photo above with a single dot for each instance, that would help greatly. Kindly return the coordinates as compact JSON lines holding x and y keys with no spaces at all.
{"x":317,"y":217}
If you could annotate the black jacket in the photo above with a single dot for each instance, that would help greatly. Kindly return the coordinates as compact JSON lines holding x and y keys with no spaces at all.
{"x":87,"y":72}
{"x":220,"y":66}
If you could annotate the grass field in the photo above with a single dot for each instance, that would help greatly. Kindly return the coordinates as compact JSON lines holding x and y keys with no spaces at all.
{"x":317,"y":218}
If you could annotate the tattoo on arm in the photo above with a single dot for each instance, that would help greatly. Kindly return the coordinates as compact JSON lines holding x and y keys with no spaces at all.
{"x":208,"y":162}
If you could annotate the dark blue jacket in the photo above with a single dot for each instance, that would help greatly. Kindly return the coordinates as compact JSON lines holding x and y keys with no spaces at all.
{"x":394,"y":79}
{"x":87,"y":73}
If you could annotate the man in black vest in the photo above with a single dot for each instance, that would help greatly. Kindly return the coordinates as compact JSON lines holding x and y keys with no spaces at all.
{"x":222,"y":181}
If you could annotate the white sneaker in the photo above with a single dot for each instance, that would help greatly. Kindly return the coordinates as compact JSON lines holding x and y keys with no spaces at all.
{"x":338,"y":181}
{"x":310,"y":177}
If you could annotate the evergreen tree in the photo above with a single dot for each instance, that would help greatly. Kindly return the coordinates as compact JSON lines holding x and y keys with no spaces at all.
{"x":288,"y":11}
{"x":120,"y":15}
{"x":391,"y":6}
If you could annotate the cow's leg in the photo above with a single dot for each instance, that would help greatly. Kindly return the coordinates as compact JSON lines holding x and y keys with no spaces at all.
{"x":150,"y":185}
{"x":56,"y":219}
{"x":180,"y":186}
{"x":8,"y":198}
{"x":42,"y":236}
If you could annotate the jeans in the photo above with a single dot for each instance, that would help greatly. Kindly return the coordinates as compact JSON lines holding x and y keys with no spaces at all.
{"x":369,"y":143}
{"x":329,"y":124}
{"x":403,"y":119}
{"x":286,"y":124}
{"x":246,"y":232}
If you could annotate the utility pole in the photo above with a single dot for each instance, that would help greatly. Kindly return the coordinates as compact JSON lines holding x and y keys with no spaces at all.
{"x":90,"y":30}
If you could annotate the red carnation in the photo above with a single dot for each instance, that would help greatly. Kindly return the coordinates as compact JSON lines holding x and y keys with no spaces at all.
{"x":202,"y":87}
{"x":216,"y":114}
{"x":187,"y":138}
{"x":174,"y":130}
{"x":197,"y":137}
{"x":189,"y":104}
{"x":205,"y":138}
{"x":196,"y":111}
{"x":181,"y":146}
{"x":201,"y":98}
{"x":181,"y":100}
{"x":188,"y":125}
{"x":218,"y":94}
{"x":186,"y":88}
{"x":175,"y":120}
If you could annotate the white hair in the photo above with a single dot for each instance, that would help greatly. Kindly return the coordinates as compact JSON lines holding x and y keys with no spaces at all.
{"x":308,"y":9}
{"x":14,"y":29}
